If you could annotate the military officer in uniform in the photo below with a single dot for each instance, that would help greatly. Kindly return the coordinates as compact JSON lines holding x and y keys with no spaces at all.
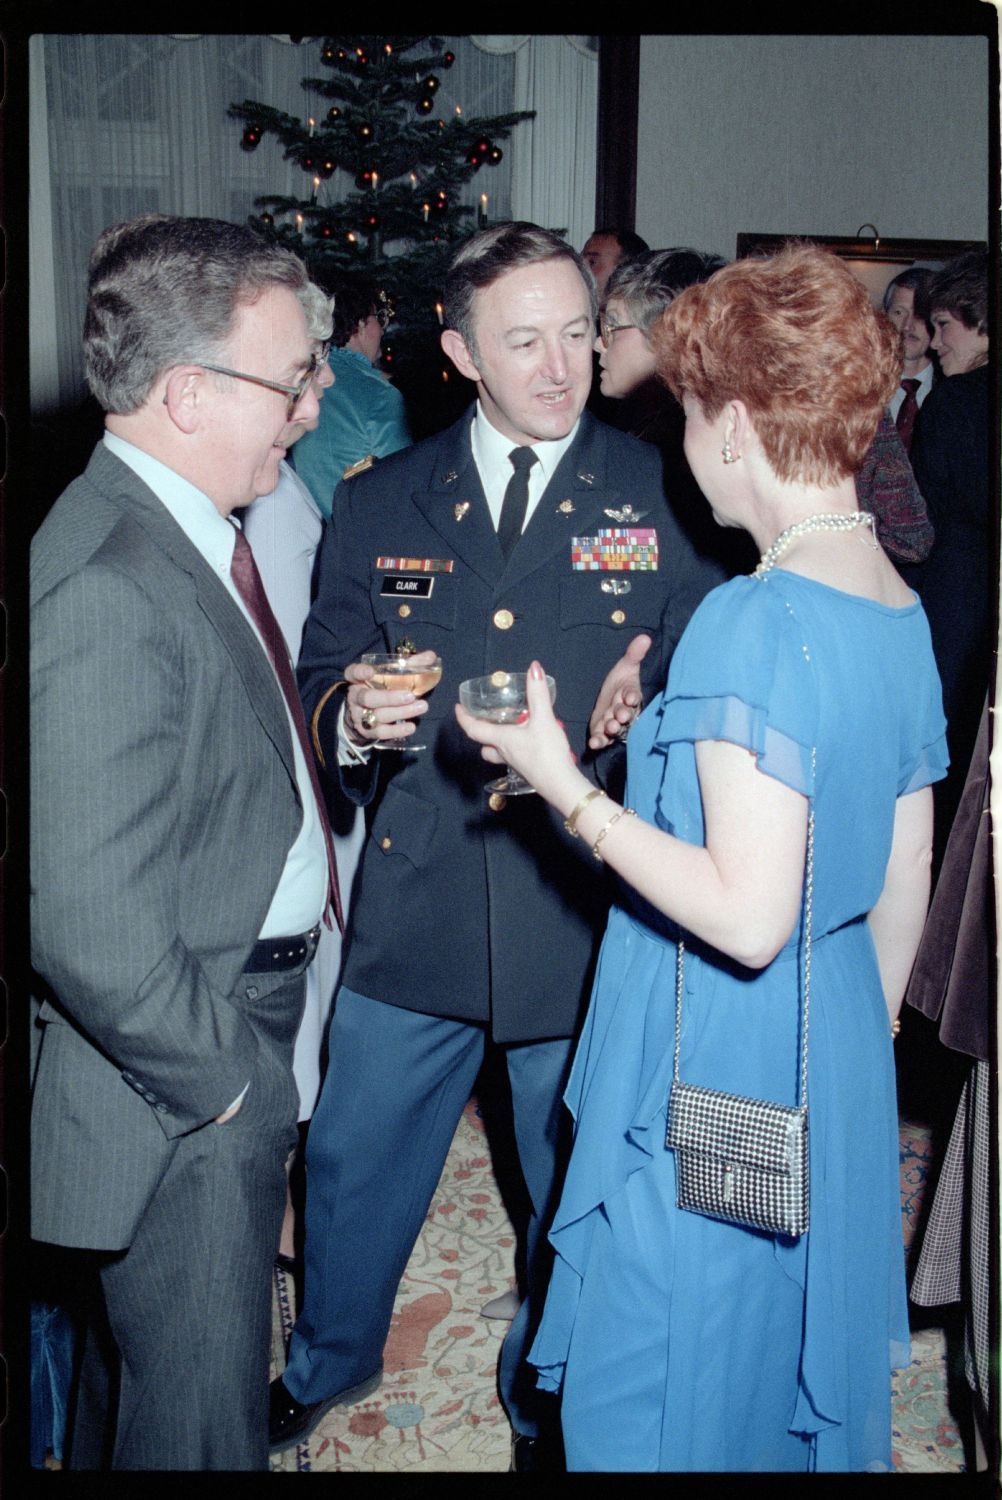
{"x":527,"y":529}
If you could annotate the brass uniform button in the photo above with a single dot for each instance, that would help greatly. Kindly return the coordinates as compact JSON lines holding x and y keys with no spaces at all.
{"x":497,"y":802}
{"x":386,"y":842}
{"x":403,"y":611}
{"x":618,"y":616}
{"x":504,"y":619}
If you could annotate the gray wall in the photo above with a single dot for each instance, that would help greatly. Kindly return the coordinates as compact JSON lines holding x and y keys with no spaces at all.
{"x":811,"y":135}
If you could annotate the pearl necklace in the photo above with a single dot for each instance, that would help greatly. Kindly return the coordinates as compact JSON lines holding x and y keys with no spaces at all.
{"x":831,"y":521}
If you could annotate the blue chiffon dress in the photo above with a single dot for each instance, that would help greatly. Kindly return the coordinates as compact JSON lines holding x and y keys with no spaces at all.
{"x":680,"y":1342}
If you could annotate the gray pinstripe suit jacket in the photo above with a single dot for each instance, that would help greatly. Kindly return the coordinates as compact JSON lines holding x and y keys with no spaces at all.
{"x":164,"y":802}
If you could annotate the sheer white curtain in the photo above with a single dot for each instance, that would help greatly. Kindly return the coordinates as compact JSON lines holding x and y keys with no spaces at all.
{"x":554,"y":156}
{"x":130,"y":124}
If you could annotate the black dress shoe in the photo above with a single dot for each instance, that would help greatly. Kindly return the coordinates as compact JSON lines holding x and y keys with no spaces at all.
{"x":290,"y":1422}
{"x":537,"y":1455}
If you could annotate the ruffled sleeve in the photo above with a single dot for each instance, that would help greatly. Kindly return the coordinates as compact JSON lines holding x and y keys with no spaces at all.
{"x":742,"y":673}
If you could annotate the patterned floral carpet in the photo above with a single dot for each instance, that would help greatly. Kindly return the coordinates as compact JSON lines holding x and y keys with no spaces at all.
{"x":438,"y":1409}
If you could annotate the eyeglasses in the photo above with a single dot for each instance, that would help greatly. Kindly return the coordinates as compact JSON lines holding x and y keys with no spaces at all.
{"x":295,"y":393}
{"x":607,"y":330}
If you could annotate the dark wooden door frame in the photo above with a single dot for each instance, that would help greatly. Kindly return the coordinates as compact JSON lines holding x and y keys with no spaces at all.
{"x":616,"y":153}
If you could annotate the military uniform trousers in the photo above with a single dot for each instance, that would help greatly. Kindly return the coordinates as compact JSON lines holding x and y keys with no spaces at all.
{"x":396,"y":1085}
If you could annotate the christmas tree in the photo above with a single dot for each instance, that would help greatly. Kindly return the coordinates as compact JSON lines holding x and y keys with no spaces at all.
{"x":400,"y":222}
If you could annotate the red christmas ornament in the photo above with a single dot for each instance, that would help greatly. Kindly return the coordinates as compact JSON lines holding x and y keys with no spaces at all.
{"x":251,"y":138}
{"x":448,"y":59}
{"x":307,"y":163}
{"x":483,"y":146}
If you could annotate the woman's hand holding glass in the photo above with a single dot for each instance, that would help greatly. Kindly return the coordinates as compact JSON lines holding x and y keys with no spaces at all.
{"x":383,"y":717}
{"x":536,"y":747}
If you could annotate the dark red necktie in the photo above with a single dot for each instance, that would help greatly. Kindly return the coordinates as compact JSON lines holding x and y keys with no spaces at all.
{"x":907,"y":412}
{"x":243,"y":571}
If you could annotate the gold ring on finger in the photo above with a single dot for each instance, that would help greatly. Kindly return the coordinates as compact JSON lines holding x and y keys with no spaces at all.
{"x":368,"y":718}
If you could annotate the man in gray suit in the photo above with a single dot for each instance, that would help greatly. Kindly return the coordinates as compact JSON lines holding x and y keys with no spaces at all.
{"x":180,"y":859}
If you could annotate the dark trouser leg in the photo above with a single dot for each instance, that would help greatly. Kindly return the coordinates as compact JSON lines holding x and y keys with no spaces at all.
{"x":396,"y":1085}
{"x":538,"y":1072}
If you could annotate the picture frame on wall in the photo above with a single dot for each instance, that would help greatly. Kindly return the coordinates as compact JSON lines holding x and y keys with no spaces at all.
{"x":875,"y":260}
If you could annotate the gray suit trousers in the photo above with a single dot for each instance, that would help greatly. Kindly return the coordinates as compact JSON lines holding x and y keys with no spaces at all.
{"x":189,"y":1303}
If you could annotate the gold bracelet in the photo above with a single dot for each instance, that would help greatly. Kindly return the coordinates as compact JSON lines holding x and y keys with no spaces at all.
{"x":895,"y":1027}
{"x":571,"y":821}
{"x":629,"y":812}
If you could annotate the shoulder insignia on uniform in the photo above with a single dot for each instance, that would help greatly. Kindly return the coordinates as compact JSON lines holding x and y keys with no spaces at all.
{"x":359,"y":468}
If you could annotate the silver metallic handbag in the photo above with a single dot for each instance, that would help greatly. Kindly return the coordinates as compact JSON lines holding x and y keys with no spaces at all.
{"x":738,"y":1159}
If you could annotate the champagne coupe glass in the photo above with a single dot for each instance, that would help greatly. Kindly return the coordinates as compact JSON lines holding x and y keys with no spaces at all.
{"x":500,"y":698}
{"x":396,"y":671}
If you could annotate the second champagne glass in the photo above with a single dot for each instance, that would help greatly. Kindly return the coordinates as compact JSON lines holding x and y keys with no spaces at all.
{"x":500,"y":698}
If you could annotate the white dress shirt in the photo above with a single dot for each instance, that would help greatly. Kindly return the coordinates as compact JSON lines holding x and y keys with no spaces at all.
{"x":925,"y":386}
{"x":490,"y":454}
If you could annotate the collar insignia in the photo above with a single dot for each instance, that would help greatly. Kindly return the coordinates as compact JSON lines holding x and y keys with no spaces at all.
{"x":565,"y":507}
{"x":585,"y":477}
{"x":450,"y":478}
{"x":459,"y":511}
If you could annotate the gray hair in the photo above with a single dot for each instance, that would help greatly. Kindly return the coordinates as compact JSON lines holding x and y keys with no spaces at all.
{"x":319,"y":310}
{"x":490,"y":254}
{"x":164,"y":291}
{"x":648,"y":283}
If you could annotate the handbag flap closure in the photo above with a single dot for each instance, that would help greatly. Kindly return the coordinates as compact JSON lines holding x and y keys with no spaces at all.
{"x":732,"y":1128}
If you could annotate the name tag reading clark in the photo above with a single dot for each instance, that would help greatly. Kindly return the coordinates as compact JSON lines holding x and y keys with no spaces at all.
{"x":395,"y":584}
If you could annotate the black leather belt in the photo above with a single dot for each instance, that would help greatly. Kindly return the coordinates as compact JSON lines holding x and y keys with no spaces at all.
{"x":271,"y":955}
